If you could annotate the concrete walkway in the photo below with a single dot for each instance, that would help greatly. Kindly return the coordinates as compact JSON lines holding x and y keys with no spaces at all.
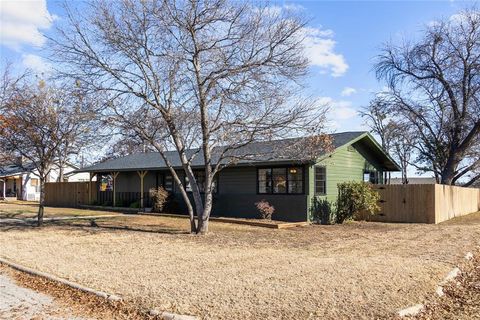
{"x":20,"y":303}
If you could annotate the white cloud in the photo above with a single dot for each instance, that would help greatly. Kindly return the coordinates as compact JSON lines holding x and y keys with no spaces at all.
{"x":21,"y":22}
{"x":35,"y":63}
{"x":320,"y":50}
{"x":348,"y":91}
{"x":339,"y":109}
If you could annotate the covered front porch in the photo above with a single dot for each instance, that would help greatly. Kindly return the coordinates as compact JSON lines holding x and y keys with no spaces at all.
{"x":128,"y":188}
{"x":10,"y":187}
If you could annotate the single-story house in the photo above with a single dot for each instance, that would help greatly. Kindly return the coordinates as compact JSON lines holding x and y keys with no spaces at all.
{"x":290,"y":185}
{"x":19,"y":180}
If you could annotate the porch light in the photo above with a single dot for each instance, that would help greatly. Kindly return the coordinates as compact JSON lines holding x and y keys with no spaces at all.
{"x":293,"y":170}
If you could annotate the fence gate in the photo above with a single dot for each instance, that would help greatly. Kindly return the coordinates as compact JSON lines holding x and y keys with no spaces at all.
{"x":66,"y":194}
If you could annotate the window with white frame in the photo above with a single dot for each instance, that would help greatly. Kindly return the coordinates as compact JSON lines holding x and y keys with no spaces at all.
{"x":320,"y":181}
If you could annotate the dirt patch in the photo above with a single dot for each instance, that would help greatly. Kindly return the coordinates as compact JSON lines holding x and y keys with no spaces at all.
{"x":354,"y":271}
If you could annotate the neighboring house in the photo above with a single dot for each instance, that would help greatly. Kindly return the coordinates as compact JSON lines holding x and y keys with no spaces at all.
{"x":413,"y":180}
{"x":20,"y":180}
{"x":288,"y":184}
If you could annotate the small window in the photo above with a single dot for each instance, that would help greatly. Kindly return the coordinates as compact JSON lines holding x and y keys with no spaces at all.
{"x":371,"y":176}
{"x":34,"y":183}
{"x":264,"y":181}
{"x":279,"y":179}
{"x":168,"y":183}
{"x":320,"y":180}
{"x":200,"y":177}
{"x":295,"y":180}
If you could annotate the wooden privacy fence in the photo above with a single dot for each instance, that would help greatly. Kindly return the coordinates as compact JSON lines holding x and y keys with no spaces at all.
{"x":68,"y":194}
{"x":425,"y":203}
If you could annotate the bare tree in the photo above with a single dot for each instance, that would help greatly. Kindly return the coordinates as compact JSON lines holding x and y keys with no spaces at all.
{"x":434,"y":87}
{"x":9,"y":84}
{"x":204,"y":78}
{"x":127,"y":143}
{"x":396,"y":138}
{"x":36,"y":123}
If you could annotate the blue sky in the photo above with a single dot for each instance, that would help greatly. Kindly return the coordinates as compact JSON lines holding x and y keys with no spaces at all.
{"x":343,"y":38}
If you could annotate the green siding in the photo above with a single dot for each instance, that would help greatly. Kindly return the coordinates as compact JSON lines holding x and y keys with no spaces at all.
{"x":345,"y":164}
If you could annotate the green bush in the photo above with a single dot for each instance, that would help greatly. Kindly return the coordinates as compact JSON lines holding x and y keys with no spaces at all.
{"x":322,"y":211}
{"x":135,"y":204}
{"x":356,"y":200}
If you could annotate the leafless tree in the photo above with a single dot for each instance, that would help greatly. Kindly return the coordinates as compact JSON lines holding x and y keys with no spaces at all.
{"x":125,"y":144}
{"x":203,"y":78}
{"x":36,"y":123}
{"x":9,"y":84}
{"x":396,"y":138}
{"x":434,"y":88}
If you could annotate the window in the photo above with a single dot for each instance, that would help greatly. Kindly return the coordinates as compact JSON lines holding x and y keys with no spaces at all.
{"x":286,"y":180}
{"x":168,"y":183}
{"x":264,"y":180}
{"x":371,"y":176}
{"x":295,"y":180}
{"x":200,"y":177}
{"x":34,"y":183}
{"x":320,"y":180}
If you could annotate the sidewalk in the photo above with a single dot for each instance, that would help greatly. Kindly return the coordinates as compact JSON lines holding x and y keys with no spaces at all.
{"x":20,"y":303}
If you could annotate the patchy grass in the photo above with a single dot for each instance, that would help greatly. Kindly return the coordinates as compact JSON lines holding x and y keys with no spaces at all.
{"x":29,"y":209}
{"x":357,"y":271}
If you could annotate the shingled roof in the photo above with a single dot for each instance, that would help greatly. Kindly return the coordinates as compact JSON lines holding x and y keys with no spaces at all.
{"x":15,"y":169}
{"x":262,"y":152}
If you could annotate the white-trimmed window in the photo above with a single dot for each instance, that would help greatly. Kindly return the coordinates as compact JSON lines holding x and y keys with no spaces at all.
{"x":320,"y":181}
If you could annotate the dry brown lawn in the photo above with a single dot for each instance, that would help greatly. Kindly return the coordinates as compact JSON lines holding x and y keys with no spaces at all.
{"x":29,"y":209}
{"x":353,"y":271}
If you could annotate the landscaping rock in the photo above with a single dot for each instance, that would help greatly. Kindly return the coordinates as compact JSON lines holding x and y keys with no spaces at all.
{"x":411,"y":311}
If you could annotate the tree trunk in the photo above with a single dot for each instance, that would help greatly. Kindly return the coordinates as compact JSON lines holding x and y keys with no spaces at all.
{"x":448,"y":174}
{"x":60,"y":173}
{"x":42,"y":201}
{"x":448,"y":171}
{"x":207,"y":209}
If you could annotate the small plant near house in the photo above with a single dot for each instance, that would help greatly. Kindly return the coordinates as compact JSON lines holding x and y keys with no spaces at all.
{"x":266,"y":210}
{"x":135,"y":204}
{"x":159,"y":198}
{"x":356,"y":200}
{"x":322,"y":211}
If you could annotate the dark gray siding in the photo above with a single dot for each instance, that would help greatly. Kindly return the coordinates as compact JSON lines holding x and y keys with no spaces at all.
{"x":236,"y":196}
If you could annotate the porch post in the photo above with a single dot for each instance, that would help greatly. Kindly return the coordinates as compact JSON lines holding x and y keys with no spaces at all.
{"x":114,"y":176}
{"x":142,"y":175}
{"x":91,"y":175}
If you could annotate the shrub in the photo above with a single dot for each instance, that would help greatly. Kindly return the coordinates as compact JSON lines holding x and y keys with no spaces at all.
{"x":159,"y":198}
{"x":356,"y":199}
{"x":135,"y":204}
{"x":265,"y":209}
{"x":322,"y":211}
{"x":107,"y":204}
